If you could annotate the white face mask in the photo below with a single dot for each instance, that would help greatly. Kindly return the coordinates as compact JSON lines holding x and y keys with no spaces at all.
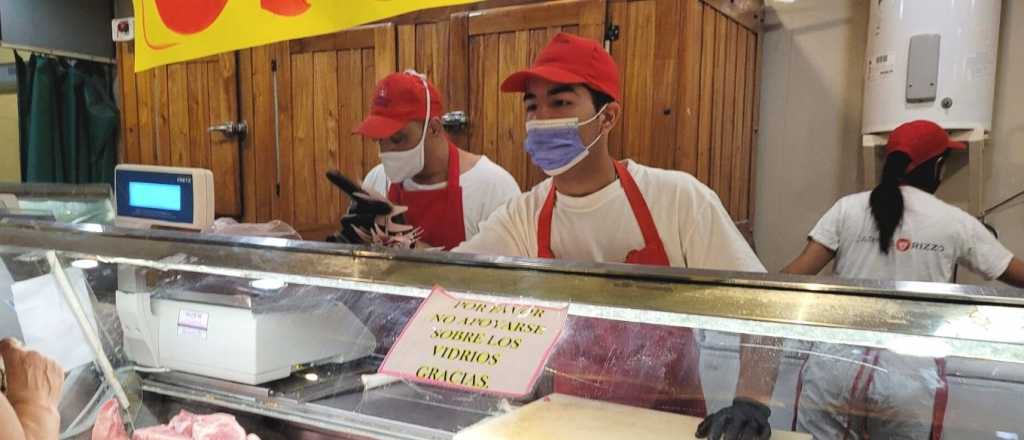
{"x":402,"y":165}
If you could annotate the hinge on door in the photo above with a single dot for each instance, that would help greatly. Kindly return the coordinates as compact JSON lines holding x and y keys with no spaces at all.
{"x":611,"y":33}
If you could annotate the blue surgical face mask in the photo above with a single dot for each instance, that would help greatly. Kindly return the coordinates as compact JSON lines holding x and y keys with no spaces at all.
{"x":555,"y":146}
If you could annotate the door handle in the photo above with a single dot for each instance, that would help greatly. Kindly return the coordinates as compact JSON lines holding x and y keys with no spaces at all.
{"x":231,"y":129}
{"x":455,"y":121}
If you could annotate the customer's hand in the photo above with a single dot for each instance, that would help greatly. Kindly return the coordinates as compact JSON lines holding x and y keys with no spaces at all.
{"x":32,"y":379}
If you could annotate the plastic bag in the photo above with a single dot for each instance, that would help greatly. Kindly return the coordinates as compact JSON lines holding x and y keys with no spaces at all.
{"x":275,"y":228}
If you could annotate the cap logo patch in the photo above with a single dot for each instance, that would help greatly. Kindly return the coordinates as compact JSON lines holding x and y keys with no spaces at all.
{"x":382,"y":100}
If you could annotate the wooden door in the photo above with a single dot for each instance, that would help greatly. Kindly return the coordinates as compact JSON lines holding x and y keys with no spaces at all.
{"x":166,"y":115}
{"x":727,"y":122}
{"x":488,"y":45}
{"x":323,"y":88}
{"x":706,"y":125}
{"x":424,"y":45}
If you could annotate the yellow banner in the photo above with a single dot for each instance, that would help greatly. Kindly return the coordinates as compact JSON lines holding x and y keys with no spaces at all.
{"x":169,"y":31}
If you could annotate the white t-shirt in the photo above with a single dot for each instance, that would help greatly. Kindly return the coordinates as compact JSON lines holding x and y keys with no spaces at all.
{"x":931,"y":239}
{"x":694,"y":227}
{"x":485,"y":187}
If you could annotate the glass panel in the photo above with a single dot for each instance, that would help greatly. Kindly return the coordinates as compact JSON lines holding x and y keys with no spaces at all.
{"x":64,"y":203}
{"x":295,"y":356}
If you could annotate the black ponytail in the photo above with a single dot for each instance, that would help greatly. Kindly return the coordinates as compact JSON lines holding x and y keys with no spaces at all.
{"x":887,"y":199}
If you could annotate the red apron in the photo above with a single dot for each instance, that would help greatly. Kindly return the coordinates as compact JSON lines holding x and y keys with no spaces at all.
{"x":438,"y":212}
{"x":858,"y":402}
{"x":630,"y":363}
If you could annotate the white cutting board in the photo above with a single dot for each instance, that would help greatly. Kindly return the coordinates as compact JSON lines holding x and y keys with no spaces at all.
{"x":563,"y":417}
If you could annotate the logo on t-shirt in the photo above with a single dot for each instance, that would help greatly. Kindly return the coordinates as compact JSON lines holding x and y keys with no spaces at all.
{"x":905,"y":244}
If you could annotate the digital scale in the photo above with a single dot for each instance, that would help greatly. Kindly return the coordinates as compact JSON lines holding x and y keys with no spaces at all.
{"x":239,"y":330}
{"x":227,"y":329}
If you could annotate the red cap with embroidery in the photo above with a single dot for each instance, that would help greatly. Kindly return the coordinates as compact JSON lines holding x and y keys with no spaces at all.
{"x":922,"y":141}
{"x":398,"y":99}
{"x":568,"y":59}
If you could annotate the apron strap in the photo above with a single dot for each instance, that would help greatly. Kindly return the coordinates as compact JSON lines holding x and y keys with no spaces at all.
{"x":544,"y":225}
{"x":637,"y":204}
{"x":799,"y":390}
{"x":453,"y":166}
{"x":854,"y":399}
{"x":867,"y":388}
{"x":941,"y":400}
{"x":395,"y":190}
{"x":454,"y":213}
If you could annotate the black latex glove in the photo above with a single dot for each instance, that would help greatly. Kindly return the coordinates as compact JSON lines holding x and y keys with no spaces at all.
{"x":363,"y":212}
{"x":744,"y":420}
{"x":372,"y":218}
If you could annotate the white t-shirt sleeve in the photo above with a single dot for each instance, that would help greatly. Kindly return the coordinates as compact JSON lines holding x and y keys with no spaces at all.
{"x":982,"y":252}
{"x":505,"y":189}
{"x":498,"y":235}
{"x":499,"y":189}
{"x":376,"y":180}
{"x":713,"y":242}
{"x":826,"y":232}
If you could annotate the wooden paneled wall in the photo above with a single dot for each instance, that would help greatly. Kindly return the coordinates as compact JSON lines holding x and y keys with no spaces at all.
{"x":323,"y":88}
{"x":500,"y":42}
{"x":705,"y":124}
{"x":166,"y":113}
{"x":689,"y":71}
{"x":469,"y":53}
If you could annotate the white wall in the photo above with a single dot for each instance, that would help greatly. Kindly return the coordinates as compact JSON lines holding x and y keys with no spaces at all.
{"x":808,"y":145}
{"x":1004,"y":154}
{"x":10,"y":150}
{"x":809,"y":141}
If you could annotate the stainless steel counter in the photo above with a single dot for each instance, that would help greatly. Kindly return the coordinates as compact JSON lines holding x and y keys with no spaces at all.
{"x":981,"y":329}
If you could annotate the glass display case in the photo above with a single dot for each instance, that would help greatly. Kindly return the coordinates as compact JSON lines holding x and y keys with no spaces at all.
{"x":288,"y":336}
{"x":62,"y":202}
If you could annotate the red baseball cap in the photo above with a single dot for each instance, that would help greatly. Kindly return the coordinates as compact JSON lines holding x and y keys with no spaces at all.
{"x":922,"y":141}
{"x":569,"y":59}
{"x":398,"y":99}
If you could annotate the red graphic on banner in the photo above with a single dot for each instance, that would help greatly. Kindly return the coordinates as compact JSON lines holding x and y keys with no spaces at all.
{"x":288,"y":8}
{"x":189,"y":16}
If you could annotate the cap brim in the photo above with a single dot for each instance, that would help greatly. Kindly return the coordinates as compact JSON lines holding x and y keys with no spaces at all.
{"x":517,"y":81}
{"x":957,"y":145}
{"x":379,"y":127}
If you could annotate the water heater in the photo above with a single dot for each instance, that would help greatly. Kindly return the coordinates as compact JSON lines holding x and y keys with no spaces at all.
{"x":934,"y":60}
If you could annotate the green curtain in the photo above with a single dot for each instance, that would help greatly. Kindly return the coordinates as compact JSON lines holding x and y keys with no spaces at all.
{"x":68,"y":120}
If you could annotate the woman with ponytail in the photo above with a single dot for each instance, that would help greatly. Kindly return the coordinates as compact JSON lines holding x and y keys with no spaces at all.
{"x":898,"y":231}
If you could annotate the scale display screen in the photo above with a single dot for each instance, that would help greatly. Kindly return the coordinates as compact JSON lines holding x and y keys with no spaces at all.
{"x":155,"y":195}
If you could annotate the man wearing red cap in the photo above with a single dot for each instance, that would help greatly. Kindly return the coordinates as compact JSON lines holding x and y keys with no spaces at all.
{"x":597,"y":209}
{"x":448,"y":191}
{"x":899,"y":231}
